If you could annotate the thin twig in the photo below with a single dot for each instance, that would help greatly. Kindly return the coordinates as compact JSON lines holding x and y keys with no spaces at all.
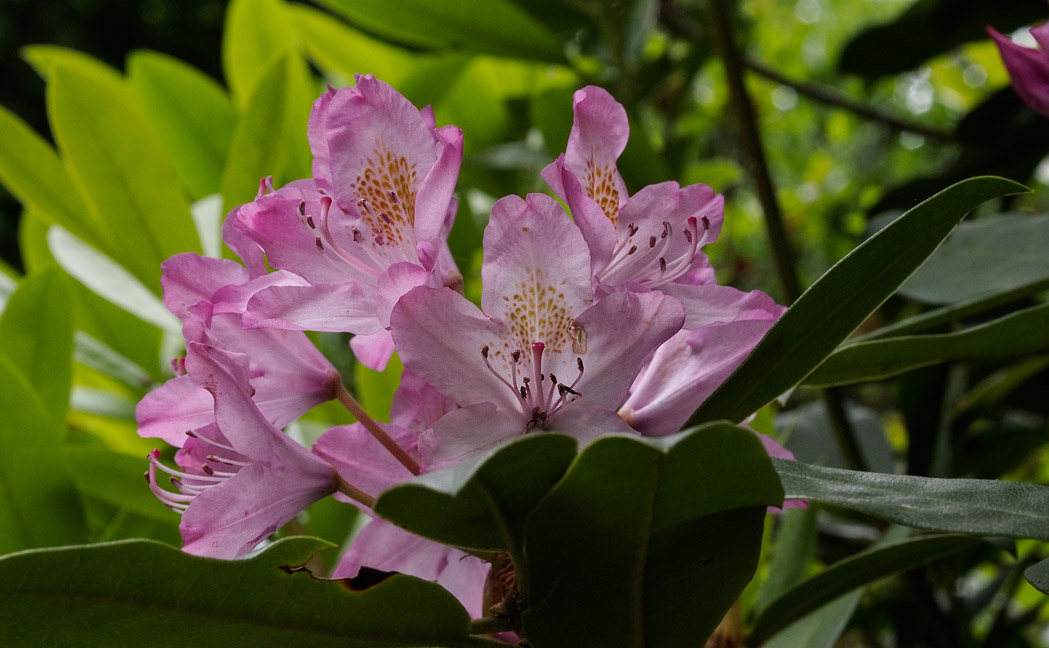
{"x":354,"y":493}
{"x":832,"y":97}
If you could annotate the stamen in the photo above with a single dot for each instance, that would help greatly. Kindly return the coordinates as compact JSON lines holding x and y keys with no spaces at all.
{"x":363,"y":202}
{"x":393,"y":197}
{"x":484,"y":354}
{"x":633,"y":248}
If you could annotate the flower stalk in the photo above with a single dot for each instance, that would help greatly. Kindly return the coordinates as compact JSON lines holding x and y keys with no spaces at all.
{"x":351,"y":404}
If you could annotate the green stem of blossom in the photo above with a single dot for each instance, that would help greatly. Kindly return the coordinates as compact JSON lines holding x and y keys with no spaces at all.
{"x":354,"y":493}
{"x":351,"y":404}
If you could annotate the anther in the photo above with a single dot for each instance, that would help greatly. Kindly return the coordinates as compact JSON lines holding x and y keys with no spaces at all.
{"x":516,"y":355}
{"x":207,"y":469}
{"x":309,"y":221}
{"x":662,"y":264}
{"x":320,"y":246}
{"x":385,"y":217}
{"x":484,"y":352}
{"x":666,"y":230}
{"x":302,"y":208}
{"x":364,"y":204}
{"x":393,"y":197}
{"x":357,"y":236}
{"x":579,"y":363}
{"x":651,"y":241}
{"x":632,"y":229}
{"x":380,"y":241}
{"x":633,"y":248}
{"x":706,"y":222}
{"x":688,"y":235}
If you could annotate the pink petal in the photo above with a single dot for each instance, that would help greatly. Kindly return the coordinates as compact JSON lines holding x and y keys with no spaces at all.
{"x":188,"y":278}
{"x":417,"y":404}
{"x":467,"y":432}
{"x":374,"y":350}
{"x":1028,"y":69}
{"x":713,"y":304}
{"x":363,"y":461}
{"x":317,"y":132}
{"x":174,"y":407}
{"x":383,"y":546}
{"x":597,"y":228}
{"x":320,"y":307}
{"x":599,"y":134}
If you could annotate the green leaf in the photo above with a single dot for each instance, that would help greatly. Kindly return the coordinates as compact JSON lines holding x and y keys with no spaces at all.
{"x":109,"y":280}
{"x":36,"y":335}
{"x":38,"y":501}
{"x":257,"y":149}
{"x":1017,"y":334}
{"x":987,"y":256}
{"x":490,"y":26}
{"x":973,"y":506}
{"x":120,"y":169}
{"x":625,"y":548}
{"x":255,"y":36}
{"x":843,"y":298}
{"x":147,"y":593}
{"x":822,"y":628}
{"x":116,"y":478}
{"x":32,"y":171}
{"x":481,"y":504}
{"x":1038,"y":576}
{"x":854,"y":572}
{"x":189,"y":112}
{"x":794,"y":547}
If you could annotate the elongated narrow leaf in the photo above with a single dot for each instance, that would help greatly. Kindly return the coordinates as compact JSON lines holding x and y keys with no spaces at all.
{"x":1018,"y":334}
{"x":36,"y":334}
{"x":189,"y":112}
{"x":121,"y":170}
{"x":482,"y":504}
{"x":624,"y":549}
{"x":820,"y":629}
{"x":146,"y":593}
{"x":257,"y":149}
{"x":974,"y":506}
{"x":983,"y":257}
{"x":38,"y":501}
{"x":842,"y":298}
{"x":116,"y":478}
{"x":31,"y":170}
{"x":256,"y":35}
{"x":490,"y":26}
{"x":849,"y":574}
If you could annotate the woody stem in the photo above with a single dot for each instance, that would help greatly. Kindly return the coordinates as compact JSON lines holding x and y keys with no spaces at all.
{"x":354,"y":493}
{"x":376,"y":430}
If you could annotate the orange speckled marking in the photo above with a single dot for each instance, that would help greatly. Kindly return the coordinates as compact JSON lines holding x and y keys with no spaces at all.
{"x":385,"y":172}
{"x":537,"y":311}
{"x":601,"y":186}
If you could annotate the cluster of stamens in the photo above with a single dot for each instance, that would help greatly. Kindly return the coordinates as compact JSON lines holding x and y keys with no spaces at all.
{"x":371,"y":259}
{"x":538,"y":401}
{"x":190,"y":485}
{"x":646,"y":261}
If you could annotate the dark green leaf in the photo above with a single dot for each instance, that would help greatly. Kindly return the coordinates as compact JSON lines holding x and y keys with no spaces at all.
{"x":36,"y":335}
{"x":623,"y":551}
{"x":38,"y":501}
{"x":1017,"y":334}
{"x":793,"y":549}
{"x":842,"y":298}
{"x":190,"y":114}
{"x":974,"y":506}
{"x":491,"y":26}
{"x":849,"y":574}
{"x":120,"y":169}
{"x":481,"y":504}
{"x":1038,"y":575}
{"x":147,"y":593}
{"x":983,"y":257}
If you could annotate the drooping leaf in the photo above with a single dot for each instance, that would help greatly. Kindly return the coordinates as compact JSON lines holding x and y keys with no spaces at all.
{"x":38,"y":500}
{"x":481,"y":504}
{"x":121,"y":170}
{"x":147,"y":593}
{"x":36,"y":335}
{"x":190,"y":114}
{"x":490,"y":26}
{"x":32,"y":171}
{"x":843,"y":297}
{"x":984,"y":257}
{"x":973,"y":506}
{"x":1013,"y":335}
{"x":255,"y":36}
{"x":849,"y":574}
{"x":638,"y":530}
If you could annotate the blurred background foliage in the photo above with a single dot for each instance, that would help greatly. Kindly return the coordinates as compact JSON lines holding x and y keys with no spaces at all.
{"x":863,"y":108}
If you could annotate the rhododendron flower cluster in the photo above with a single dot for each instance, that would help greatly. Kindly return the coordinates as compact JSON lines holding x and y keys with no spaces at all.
{"x":602,"y":319}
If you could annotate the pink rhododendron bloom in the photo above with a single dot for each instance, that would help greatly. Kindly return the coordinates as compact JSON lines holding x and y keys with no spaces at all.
{"x":543,"y":354}
{"x":648,"y":241}
{"x":1028,"y":68}
{"x":241,"y":478}
{"x":288,"y":375}
{"x":371,"y":224}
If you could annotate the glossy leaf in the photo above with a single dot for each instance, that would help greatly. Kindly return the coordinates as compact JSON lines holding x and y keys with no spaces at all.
{"x":482,"y":504}
{"x":36,"y":335}
{"x":490,"y":26}
{"x":38,"y":501}
{"x":990,"y":255}
{"x":1017,"y":334}
{"x":120,"y":169}
{"x":255,"y":36}
{"x":148,"y":593}
{"x":1038,"y":576}
{"x":624,"y":549}
{"x":849,"y":574}
{"x":973,"y":506}
{"x":257,"y":149}
{"x":190,"y":114}
{"x":843,"y":298}
{"x":108,"y":279}
{"x":31,"y":169}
